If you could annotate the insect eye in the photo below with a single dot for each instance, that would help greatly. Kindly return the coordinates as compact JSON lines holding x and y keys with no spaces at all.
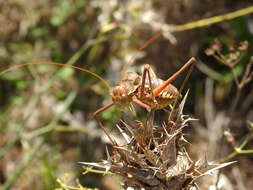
{"x":137,"y":80}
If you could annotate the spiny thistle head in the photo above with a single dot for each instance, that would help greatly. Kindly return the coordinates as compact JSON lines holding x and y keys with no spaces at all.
{"x":155,"y":157}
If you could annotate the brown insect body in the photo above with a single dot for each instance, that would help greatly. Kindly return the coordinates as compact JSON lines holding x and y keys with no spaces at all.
{"x":131,"y":88}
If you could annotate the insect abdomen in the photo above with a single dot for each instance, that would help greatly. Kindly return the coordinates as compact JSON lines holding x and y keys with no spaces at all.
{"x":163,"y":100}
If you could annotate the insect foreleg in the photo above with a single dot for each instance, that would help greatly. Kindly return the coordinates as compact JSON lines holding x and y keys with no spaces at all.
{"x":157,"y":90}
{"x":102,"y":109}
{"x":106,"y":133}
{"x":140,"y":103}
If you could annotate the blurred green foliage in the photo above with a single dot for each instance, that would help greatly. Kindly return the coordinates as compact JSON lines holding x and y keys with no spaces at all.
{"x":57,"y":30}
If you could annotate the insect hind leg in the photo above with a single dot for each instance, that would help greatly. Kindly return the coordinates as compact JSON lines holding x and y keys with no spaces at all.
{"x":160,"y":88}
{"x":147,"y":71}
{"x":181,"y":88}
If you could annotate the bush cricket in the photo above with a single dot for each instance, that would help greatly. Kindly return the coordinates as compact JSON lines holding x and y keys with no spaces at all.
{"x":147,"y":91}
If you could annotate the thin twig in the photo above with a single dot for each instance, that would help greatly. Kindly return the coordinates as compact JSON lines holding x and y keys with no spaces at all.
{"x":240,"y":85}
{"x":235,"y":77}
{"x":91,"y":170}
{"x":235,"y":102}
{"x":239,"y":150}
{"x":247,"y":101}
{"x":212,"y":20}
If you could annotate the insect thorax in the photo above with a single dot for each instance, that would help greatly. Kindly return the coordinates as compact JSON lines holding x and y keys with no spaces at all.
{"x":131,"y":86}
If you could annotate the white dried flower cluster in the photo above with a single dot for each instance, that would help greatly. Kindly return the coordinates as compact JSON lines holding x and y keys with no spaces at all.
{"x":131,"y":15}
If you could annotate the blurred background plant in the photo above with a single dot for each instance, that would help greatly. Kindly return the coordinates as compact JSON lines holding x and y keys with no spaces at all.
{"x":46,"y":125}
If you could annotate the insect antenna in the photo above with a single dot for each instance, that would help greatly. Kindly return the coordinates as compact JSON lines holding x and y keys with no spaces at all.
{"x":69,"y":66}
{"x":59,"y":64}
{"x":153,"y":38}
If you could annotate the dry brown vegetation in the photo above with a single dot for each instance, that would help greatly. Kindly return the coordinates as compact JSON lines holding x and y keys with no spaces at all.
{"x":46,"y":110}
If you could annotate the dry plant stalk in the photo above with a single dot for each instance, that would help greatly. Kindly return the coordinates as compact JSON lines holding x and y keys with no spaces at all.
{"x":230,"y":56}
{"x":155,"y":157}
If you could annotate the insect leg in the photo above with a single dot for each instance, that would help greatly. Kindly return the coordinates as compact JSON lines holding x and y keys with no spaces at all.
{"x":147,"y":71}
{"x":140,"y":103}
{"x":181,"y":89}
{"x":157,"y":90}
{"x":107,"y":134}
{"x":102,"y":109}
